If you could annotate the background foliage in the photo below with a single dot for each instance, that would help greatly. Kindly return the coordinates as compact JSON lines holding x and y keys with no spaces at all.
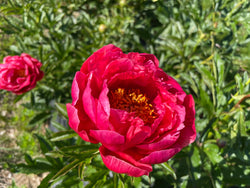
{"x":203,"y":44}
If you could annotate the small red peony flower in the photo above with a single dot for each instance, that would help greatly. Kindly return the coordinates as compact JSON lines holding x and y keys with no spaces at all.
{"x":139,"y":114}
{"x":19,"y":74}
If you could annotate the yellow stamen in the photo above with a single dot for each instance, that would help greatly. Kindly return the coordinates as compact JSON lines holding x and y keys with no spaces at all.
{"x":133,"y":100}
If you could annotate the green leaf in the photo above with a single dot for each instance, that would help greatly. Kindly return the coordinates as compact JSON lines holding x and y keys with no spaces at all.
{"x":212,"y":151}
{"x":38,"y":168}
{"x":242,"y":124}
{"x":45,"y":182}
{"x":206,"y":102}
{"x":221,"y":69}
{"x":19,"y":97}
{"x":79,"y":147}
{"x":58,"y":126}
{"x":54,"y":154}
{"x":44,"y":144}
{"x":96,"y":178}
{"x":28,"y":159}
{"x":204,"y":72}
{"x":239,"y":82}
{"x":62,"y":109}
{"x":66,"y":169}
{"x":63,"y":135}
{"x":39,"y":118}
{"x":84,"y":155}
{"x":169,"y":170}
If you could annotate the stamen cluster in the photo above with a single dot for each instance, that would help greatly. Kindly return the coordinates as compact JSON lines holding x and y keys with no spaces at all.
{"x":133,"y":100}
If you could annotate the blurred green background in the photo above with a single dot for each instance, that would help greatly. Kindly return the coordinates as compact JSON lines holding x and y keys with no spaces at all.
{"x":203,"y":44}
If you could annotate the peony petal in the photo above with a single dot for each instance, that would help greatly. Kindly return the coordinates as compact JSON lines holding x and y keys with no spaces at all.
{"x":150,"y":58}
{"x":119,"y":120}
{"x":109,"y":139}
{"x":116,"y":163}
{"x":77,"y":86}
{"x":101,"y":58}
{"x":160,"y":156}
{"x":132,"y":79}
{"x":181,"y":111}
{"x":139,"y":135}
{"x":89,"y":102}
{"x":75,"y":123}
{"x":188,"y":134}
{"x":117,"y":66}
{"x":164,"y":142}
{"x":103,"y":109}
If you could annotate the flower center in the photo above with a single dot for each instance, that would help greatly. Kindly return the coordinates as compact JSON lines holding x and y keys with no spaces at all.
{"x":133,"y":100}
{"x":21,"y":73}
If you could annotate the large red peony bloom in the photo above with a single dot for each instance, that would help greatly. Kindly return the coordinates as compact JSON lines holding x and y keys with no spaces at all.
{"x":139,"y":114}
{"x":19,"y":74}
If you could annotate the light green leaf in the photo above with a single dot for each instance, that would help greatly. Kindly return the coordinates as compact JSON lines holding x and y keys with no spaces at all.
{"x":169,"y":170}
{"x":63,"y":135}
{"x":62,"y":109}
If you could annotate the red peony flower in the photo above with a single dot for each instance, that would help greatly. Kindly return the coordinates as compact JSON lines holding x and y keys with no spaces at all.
{"x":139,"y":114}
{"x":19,"y":74}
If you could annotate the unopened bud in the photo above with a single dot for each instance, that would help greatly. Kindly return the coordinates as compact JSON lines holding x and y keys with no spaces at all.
{"x":122,"y":2}
{"x":102,"y":28}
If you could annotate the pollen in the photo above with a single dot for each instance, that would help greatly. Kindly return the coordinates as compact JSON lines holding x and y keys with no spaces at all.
{"x":133,"y":100}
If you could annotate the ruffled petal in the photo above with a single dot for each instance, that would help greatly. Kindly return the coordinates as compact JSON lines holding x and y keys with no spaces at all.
{"x":150,"y":58}
{"x":79,"y":126}
{"x":98,"y":61}
{"x":78,"y":85}
{"x":118,"y":66}
{"x":109,"y":139}
{"x":164,"y":142}
{"x":89,"y":102}
{"x":188,"y":134}
{"x":123,"y":164}
{"x":103,"y":109}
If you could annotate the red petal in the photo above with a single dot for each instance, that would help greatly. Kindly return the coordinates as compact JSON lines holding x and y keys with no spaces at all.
{"x":188,"y":134}
{"x":123,"y":164}
{"x":89,"y":102}
{"x":101,"y":58}
{"x":160,"y":156}
{"x":103,"y":109}
{"x":78,"y":85}
{"x":165,"y":142}
{"x":77,"y":125}
{"x":110,"y":139}
{"x":117,"y":66}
